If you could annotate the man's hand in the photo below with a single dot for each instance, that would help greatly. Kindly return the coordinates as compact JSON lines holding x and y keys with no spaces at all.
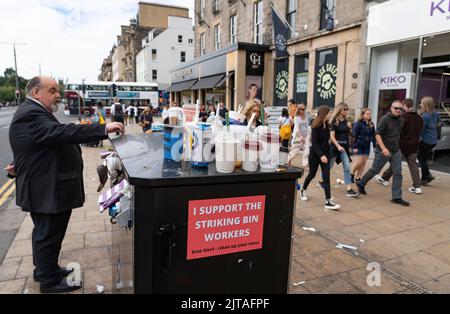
{"x":324,"y":159}
{"x":115,"y":127}
{"x":11,"y":170}
{"x":386,"y":152}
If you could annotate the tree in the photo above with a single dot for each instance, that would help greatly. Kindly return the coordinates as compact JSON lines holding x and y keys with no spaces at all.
{"x":8,"y":85}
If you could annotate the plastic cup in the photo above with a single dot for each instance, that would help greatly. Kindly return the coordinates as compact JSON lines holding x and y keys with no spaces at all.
{"x":269,"y":157}
{"x":251,"y":150}
{"x":226,"y":147}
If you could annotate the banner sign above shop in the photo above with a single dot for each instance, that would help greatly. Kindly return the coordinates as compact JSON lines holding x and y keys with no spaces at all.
{"x":255,"y":63}
{"x":396,"y":81}
{"x":225,"y":226}
{"x":429,"y":16}
{"x":281,"y":82}
{"x":280,"y":31}
{"x":325,"y":78}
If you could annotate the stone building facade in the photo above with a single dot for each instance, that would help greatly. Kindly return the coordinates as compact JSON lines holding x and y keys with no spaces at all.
{"x":322,"y":32}
{"x":123,"y":54}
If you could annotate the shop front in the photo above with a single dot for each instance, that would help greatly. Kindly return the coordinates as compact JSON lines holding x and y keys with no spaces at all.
{"x":232,"y":75}
{"x":322,"y":69}
{"x":410,"y":59}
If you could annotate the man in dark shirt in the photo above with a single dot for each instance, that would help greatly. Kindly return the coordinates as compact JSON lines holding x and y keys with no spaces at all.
{"x":409,"y":144}
{"x":388,"y":149}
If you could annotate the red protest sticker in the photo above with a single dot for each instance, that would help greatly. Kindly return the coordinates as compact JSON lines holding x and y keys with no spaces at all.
{"x":225,"y":225}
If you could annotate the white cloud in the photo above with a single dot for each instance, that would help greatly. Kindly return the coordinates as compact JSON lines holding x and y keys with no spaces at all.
{"x":69,"y":38}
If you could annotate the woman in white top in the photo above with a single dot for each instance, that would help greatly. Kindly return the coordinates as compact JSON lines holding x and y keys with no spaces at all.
{"x":300,"y":136}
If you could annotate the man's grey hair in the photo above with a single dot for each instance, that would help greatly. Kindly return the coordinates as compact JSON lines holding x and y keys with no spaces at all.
{"x":35,"y":82}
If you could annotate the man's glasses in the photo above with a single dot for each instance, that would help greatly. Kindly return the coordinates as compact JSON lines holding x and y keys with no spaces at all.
{"x":398,"y":108}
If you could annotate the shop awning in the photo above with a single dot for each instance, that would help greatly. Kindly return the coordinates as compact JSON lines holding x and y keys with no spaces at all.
{"x":181,"y":86}
{"x":224,"y":80}
{"x":208,"y":82}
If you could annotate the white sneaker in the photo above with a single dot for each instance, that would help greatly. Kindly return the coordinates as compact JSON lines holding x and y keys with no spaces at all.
{"x":381,"y":180}
{"x":415,"y":190}
{"x":303,"y":196}
{"x":330,"y":205}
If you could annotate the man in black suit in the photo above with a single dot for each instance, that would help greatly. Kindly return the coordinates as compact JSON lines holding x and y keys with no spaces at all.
{"x":49,"y":170}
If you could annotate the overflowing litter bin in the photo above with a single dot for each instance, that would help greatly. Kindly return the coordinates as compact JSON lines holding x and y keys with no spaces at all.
{"x":189,"y":230}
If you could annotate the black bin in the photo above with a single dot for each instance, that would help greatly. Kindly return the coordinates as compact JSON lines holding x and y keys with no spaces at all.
{"x":199,"y":231}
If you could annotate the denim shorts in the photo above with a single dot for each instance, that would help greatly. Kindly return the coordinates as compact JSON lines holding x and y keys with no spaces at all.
{"x":363,"y":151}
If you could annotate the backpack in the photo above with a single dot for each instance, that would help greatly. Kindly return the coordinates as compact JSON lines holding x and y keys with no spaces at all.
{"x":285,"y":132}
{"x":118,"y":110}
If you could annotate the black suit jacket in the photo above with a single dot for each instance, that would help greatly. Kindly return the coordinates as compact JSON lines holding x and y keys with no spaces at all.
{"x":47,"y":159}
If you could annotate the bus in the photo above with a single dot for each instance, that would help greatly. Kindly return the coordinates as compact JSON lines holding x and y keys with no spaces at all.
{"x":141,"y":94}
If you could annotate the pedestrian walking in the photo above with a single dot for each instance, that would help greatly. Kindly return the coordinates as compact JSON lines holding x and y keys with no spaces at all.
{"x":131,"y":114}
{"x":429,"y":136}
{"x":146,"y":120}
{"x":285,"y":124}
{"x":409,"y":144}
{"x":388,"y":149}
{"x":320,"y":156}
{"x":364,"y":134}
{"x":49,"y":175}
{"x":300,"y":136}
{"x":118,"y":112}
{"x":339,"y":147}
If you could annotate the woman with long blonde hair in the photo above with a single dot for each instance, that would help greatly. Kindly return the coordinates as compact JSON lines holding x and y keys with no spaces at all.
{"x":300,"y":136}
{"x":339,"y":147}
{"x":429,"y":136}
{"x":364,"y":133}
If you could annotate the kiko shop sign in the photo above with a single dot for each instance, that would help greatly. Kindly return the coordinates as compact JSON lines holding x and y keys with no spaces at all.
{"x":395,"y":81}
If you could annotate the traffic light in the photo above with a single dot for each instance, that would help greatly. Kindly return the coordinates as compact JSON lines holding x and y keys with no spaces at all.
{"x":114,"y":90}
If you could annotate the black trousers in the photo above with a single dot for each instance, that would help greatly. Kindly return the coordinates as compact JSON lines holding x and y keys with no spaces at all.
{"x":314,"y":163}
{"x":424,"y":152}
{"x":47,"y":237}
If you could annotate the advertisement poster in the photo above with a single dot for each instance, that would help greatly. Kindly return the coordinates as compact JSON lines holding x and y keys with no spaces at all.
{"x":325,"y":77}
{"x":281,"y":82}
{"x":225,"y":225}
{"x":254,"y":88}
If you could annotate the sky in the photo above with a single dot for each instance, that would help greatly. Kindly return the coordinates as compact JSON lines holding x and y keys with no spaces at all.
{"x":67,"y":39}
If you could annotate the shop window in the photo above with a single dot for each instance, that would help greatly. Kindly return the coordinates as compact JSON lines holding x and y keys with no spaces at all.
{"x":327,"y":14}
{"x":301,"y":78}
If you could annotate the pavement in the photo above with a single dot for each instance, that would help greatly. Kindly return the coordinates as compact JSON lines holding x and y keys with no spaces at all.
{"x":409,"y":245}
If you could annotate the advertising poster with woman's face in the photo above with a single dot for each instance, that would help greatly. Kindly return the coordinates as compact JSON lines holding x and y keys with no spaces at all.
{"x":254,"y":87}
